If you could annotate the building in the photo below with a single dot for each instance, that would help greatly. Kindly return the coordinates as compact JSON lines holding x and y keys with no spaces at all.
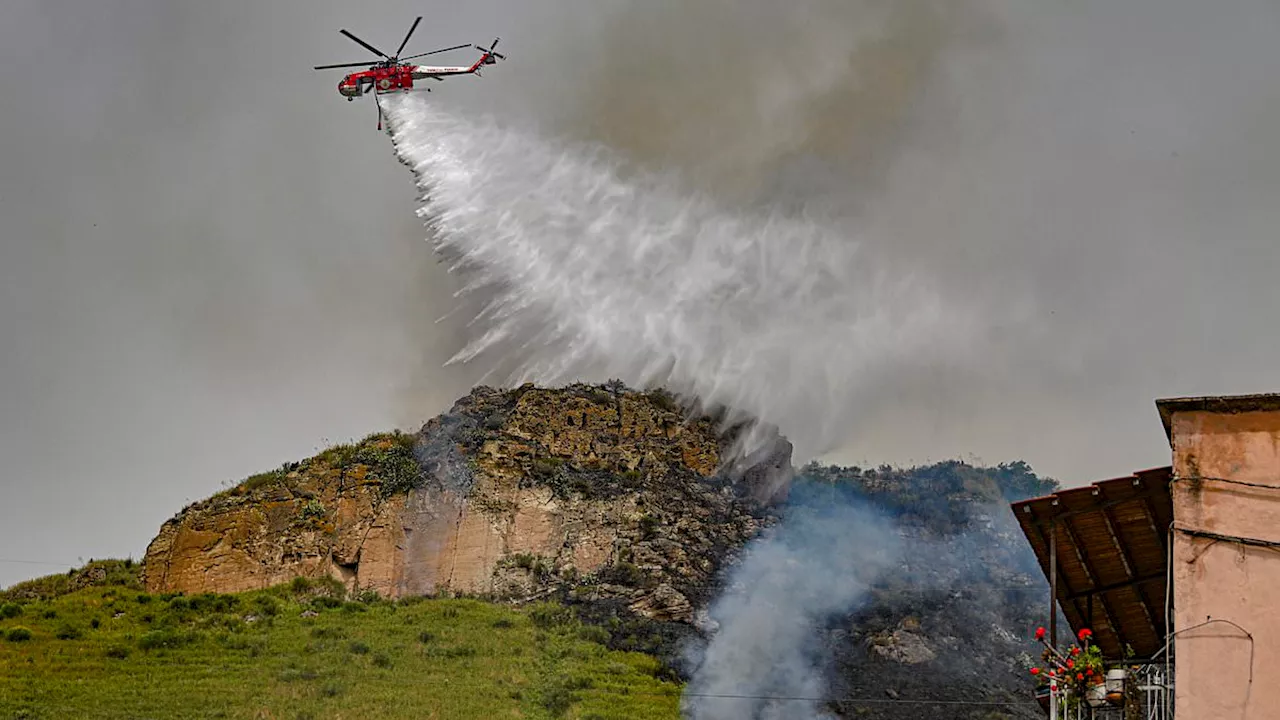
{"x":1206,"y":635}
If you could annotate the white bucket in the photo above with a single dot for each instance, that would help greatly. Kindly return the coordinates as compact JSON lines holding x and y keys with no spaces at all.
{"x":1115,"y":686}
{"x":1096,"y":695}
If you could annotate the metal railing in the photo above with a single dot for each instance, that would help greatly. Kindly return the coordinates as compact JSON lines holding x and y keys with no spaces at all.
{"x":1144,"y":693}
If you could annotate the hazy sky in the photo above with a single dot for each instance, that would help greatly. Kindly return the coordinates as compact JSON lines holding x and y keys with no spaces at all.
{"x":209,"y":261}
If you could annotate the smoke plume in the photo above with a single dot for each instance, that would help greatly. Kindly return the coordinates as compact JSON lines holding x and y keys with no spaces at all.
{"x":888,"y":569}
{"x":764,"y":660}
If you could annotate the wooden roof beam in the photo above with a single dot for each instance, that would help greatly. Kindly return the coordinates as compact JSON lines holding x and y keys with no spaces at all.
{"x":1091,"y":574}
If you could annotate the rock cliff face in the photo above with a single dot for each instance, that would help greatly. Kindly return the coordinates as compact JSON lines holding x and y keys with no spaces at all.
{"x":613,"y":493}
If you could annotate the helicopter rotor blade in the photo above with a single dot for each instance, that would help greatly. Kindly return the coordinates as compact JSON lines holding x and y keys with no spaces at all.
{"x":490,"y":50}
{"x":366,"y":63}
{"x":433,"y":52}
{"x":367,"y":46}
{"x":407,"y":35}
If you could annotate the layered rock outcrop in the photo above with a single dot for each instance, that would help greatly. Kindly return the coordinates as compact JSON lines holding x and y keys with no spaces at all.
{"x":615,"y":493}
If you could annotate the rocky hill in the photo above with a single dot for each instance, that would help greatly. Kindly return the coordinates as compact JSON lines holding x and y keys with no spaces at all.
{"x":515,"y":494}
{"x":618,"y":504}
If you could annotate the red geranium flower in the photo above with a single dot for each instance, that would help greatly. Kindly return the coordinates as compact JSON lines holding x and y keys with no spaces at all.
{"x":1084,"y":633}
{"x":1035,"y":671}
{"x":1079,"y":676}
{"x":1039,"y":633}
{"x":1071,"y":663}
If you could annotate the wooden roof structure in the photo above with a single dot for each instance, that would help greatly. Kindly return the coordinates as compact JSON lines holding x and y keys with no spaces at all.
{"x":1109,"y":545}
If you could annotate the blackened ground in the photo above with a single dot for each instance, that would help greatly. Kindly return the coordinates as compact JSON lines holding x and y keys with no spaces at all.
{"x":952,"y":624}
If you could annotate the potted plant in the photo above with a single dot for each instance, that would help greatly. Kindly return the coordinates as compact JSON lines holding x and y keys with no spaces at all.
{"x":1074,"y":673}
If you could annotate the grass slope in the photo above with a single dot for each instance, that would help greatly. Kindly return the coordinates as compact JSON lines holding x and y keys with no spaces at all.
{"x":109,"y":650}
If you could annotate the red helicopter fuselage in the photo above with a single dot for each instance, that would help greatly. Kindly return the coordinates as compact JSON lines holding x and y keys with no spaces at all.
{"x":380,"y":80}
{"x":384,"y":79}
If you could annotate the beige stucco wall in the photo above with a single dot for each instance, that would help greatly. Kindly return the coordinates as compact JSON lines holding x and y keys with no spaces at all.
{"x":1226,"y":580}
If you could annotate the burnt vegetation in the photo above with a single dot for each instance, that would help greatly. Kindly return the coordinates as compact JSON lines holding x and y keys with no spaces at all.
{"x":951,"y":621}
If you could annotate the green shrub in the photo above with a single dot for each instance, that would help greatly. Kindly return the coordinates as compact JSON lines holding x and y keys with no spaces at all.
{"x":648,"y":526}
{"x":261,"y":480}
{"x":331,"y":587}
{"x":314,"y":510}
{"x":266,"y":605}
{"x":18,"y":634}
{"x":10,"y":610}
{"x":594,"y":633}
{"x":291,"y":674}
{"x":624,"y":573}
{"x":556,"y":700}
{"x":549,"y":615}
{"x":325,"y":602}
{"x":581,"y":682}
{"x":327,"y":632}
{"x":166,"y":639}
{"x":212,"y":602}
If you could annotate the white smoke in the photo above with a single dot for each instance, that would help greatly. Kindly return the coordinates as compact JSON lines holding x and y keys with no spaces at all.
{"x":585,"y":274}
{"x":763,"y":661}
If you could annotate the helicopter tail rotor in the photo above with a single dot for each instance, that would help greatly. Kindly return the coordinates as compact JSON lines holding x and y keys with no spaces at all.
{"x":490,"y":52}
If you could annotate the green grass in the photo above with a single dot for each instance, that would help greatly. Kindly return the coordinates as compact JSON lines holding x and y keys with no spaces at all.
{"x":110,"y":651}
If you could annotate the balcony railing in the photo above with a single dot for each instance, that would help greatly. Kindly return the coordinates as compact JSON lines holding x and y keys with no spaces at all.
{"x":1145,"y":692}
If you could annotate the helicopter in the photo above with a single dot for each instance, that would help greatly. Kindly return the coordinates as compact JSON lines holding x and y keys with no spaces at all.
{"x":392,"y":74}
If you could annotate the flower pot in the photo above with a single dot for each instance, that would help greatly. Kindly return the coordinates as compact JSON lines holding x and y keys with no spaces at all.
{"x":1115,"y":686}
{"x":1096,"y":695}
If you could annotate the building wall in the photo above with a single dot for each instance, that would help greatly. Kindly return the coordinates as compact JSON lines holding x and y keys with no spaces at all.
{"x":1222,"y":580}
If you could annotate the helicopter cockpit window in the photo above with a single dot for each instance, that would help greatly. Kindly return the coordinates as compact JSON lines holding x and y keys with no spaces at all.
{"x":366,"y":84}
